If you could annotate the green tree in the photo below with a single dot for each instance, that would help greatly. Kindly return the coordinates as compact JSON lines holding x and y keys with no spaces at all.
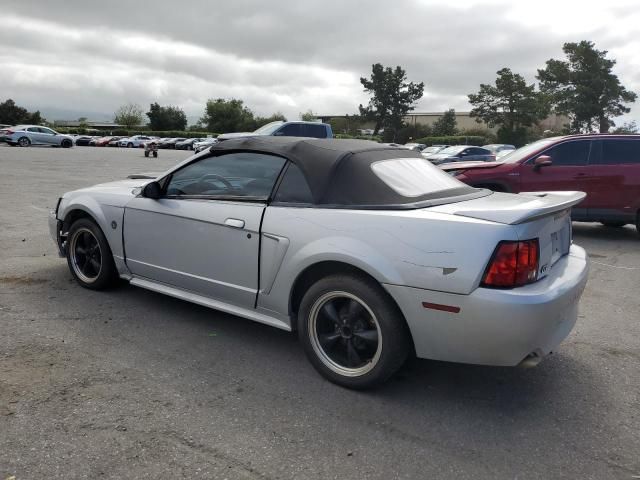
{"x":446,"y":125}
{"x":166,"y":118}
{"x":510,"y":104}
{"x":276,"y":117}
{"x":584,"y":87}
{"x":308,"y":116}
{"x":392,"y":97}
{"x":12,"y":114}
{"x":223,"y":116}
{"x":129,"y":115}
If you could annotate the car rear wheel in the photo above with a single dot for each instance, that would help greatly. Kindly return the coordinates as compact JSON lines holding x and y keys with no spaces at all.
{"x":24,"y":141}
{"x":89,"y":256}
{"x":66,"y":143}
{"x":613,"y":224}
{"x":352,"y":333}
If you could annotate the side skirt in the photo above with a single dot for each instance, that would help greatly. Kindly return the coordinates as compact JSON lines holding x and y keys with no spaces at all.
{"x":208,"y":302}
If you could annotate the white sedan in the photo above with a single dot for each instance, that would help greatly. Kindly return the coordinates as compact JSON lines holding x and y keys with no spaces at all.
{"x":370,"y":252}
{"x":135,"y":141}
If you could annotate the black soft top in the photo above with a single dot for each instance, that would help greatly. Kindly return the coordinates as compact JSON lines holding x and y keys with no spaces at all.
{"x":339,"y":172}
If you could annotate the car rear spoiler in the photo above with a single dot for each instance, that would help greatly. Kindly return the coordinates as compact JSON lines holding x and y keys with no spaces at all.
{"x":515,"y":209}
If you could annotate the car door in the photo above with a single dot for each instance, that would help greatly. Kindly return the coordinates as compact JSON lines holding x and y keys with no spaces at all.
{"x":36,"y":136}
{"x":613,"y":179}
{"x":203,"y":234}
{"x":568,"y":171}
{"x":48,"y":136}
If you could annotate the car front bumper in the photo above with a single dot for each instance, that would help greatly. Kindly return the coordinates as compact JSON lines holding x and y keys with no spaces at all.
{"x":496,"y":327}
{"x":55,"y":227}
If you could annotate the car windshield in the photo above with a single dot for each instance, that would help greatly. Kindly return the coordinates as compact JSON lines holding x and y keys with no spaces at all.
{"x":523,"y":152}
{"x":414,"y":177}
{"x":268,"y":129}
{"x":453,"y":150}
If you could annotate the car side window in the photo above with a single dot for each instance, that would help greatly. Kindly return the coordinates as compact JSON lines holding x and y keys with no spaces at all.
{"x":569,"y":153}
{"x":290,"y":130}
{"x":239,"y":174}
{"x":619,"y":151}
{"x":294,"y":187}
{"x":33,"y":129}
{"x":314,"y":131}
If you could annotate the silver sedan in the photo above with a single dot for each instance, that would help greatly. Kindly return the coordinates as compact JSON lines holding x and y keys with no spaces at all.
{"x":26,"y":135}
{"x":369,"y":252}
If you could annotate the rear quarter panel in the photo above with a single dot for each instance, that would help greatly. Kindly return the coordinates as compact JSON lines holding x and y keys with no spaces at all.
{"x":415,"y":248}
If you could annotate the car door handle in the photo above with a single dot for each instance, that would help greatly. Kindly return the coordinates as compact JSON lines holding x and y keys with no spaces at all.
{"x":234,"y":223}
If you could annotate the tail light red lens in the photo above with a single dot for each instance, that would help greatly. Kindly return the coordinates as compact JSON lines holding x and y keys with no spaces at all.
{"x":513,"y":264}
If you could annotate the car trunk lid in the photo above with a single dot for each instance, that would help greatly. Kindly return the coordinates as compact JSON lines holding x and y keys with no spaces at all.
{"x":542,"y":215}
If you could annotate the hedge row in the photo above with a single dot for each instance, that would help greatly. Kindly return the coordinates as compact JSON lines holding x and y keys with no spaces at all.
{"x":376,"y":138}
{"x":130,"y":133}
{"x":453,"y":140}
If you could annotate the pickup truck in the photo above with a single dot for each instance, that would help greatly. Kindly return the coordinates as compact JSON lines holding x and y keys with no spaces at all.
{"x":286,"y":129}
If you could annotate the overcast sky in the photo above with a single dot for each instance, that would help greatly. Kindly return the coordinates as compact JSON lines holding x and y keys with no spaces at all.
{"x":87,"y":57}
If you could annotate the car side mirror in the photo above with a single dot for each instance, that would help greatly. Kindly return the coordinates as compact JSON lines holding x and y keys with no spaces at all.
{"x":542,"y":161}
{"x":152,"y":190}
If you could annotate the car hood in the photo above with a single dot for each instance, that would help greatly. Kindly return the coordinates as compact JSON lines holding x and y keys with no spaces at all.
{"x":116,"y":194}
{"x":469,"y":165}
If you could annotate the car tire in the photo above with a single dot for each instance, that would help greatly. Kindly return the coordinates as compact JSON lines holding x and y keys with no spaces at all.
{"x":24,"y":141}
{"x":146,"y":154}
{"x":66,"y":144}
{"x":352,"y":332}
{"x":638,"y":222}
{"x":155,"y":154}
{"x":129,"y":145}
{"x":89,"y":256}
{"x":613,"y":224}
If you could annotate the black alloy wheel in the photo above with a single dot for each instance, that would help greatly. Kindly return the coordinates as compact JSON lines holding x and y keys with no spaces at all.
{"x":89,"y":256}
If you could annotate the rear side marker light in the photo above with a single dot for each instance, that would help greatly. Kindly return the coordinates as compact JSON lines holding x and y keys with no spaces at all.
{"x":442,"y":308}
{"x":513,"y":264}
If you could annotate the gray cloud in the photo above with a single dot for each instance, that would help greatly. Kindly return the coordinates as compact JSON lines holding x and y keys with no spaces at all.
{"x":287,"y":56}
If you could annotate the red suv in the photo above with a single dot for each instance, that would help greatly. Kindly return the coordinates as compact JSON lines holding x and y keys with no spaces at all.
{"x":606,"y":167}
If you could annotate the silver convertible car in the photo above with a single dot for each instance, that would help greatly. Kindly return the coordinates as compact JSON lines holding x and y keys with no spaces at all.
{"x":370,"y":252}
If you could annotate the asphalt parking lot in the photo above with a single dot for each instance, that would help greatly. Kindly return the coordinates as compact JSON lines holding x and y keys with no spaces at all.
{"x":131,"y":384}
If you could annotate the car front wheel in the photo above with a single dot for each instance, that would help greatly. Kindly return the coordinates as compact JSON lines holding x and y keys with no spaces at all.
{"x":66,"y":144}
{"x":352,"y":332}
{"x":613,"y":224}
{"x":89,"y":256}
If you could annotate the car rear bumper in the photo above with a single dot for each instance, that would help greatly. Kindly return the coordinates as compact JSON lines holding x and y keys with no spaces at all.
{"x":496,"y":327}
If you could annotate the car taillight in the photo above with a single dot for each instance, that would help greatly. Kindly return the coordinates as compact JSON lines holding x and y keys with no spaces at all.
{"x":513,"y":264}
{"x":9,"y":132}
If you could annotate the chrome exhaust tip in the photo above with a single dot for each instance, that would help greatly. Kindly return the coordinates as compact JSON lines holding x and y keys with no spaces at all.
{"x":531,"y":360}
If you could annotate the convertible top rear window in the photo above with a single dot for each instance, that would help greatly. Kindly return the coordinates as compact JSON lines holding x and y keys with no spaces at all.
{"x":413,"y":177}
